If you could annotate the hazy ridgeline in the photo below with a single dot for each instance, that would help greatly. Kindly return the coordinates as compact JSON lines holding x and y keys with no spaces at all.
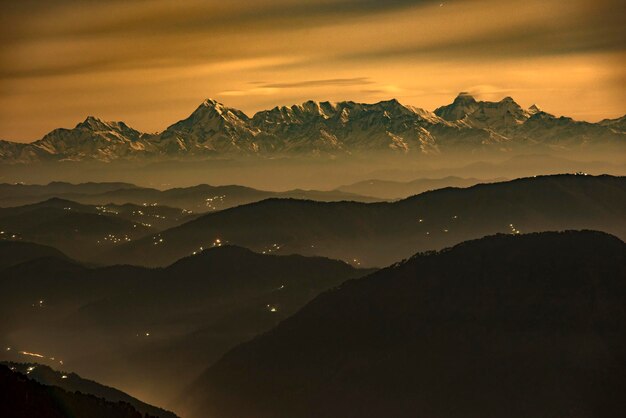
{"x":282,"y":174}
{"x":363,"y":234}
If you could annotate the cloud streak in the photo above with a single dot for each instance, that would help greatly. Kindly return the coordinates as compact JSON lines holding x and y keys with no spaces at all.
{"x":355,"y":81}
{"x":119,"y":57}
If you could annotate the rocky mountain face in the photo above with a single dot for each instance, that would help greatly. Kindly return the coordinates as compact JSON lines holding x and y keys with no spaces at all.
{"x":618,"y":124}
{"x":322,"y":129}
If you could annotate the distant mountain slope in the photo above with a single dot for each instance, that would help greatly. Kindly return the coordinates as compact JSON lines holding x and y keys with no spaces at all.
{"x":387,"y":189}
{"x":148,"y":331}
{"x":71,"y":382}
{"x":17,"y":252}
{"x":514,"y":326}
{"x":618,"y":124}
{"x":198,"y":199}
{"x":58,"y":188}
{"x":379,"y":234}
{"x":323,"y":129}
{"x":21,"y":397}
{"x":77,"y":230}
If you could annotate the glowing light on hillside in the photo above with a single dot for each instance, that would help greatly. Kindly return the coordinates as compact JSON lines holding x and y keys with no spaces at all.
{"x":26,"y":353}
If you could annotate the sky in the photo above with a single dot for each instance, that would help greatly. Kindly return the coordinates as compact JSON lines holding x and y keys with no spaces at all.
{"x":150,"y":63}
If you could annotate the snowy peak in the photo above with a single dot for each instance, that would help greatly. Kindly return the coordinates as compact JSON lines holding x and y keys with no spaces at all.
{"x":312,"y":111}
{"x":93,"y":123}
{"x":464,"y":98}
{"x":211,"y":129}
{"x":211,"y":108}
{"x":464,"y":104}
{"x":97,"y":125}
{"x":308,"y":112}
{"x":210,"y":115}
{"x":618,"y":124}
{"x":541,"y":115}
{"x":498,"y":117}
{"x":211,"y":103}
{"x":393,"y":107}
{"x":324,"y":109}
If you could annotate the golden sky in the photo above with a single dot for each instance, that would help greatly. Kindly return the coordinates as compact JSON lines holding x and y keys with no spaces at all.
{"x":151,"y":62}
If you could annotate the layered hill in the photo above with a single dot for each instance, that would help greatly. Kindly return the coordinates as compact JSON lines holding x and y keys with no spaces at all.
{"x":149,"y":331}
{"x":82,"y":230}
{"x":197,"y":199}
{"x":18,"y":252}
{"x":379,"y":234}
{"x":515,"y":326}
{"x":323,"y":129}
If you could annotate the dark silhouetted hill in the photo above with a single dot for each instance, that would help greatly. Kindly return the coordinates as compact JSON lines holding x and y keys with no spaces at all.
{"x":71,"y":382}
{"x":21,"y":397}
{"x":515,"y":326}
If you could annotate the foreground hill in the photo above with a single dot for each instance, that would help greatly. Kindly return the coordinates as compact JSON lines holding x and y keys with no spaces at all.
{"x":379,"y":234}
{"x":149,"y":331}
{"x":71,"y":382}
{"x":514,"y":326}
{"x":323,"y":129}
{"x":21,"y":397}
{"x":200,"y":198}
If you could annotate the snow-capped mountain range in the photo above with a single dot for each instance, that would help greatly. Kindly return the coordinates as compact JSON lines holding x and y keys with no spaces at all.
{"x":323,"y":129}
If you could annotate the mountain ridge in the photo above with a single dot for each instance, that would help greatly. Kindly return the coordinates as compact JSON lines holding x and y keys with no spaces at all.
{"x":324,"y":128}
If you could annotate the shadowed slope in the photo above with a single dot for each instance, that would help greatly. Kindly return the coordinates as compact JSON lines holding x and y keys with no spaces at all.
{"x":513,"y":326}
